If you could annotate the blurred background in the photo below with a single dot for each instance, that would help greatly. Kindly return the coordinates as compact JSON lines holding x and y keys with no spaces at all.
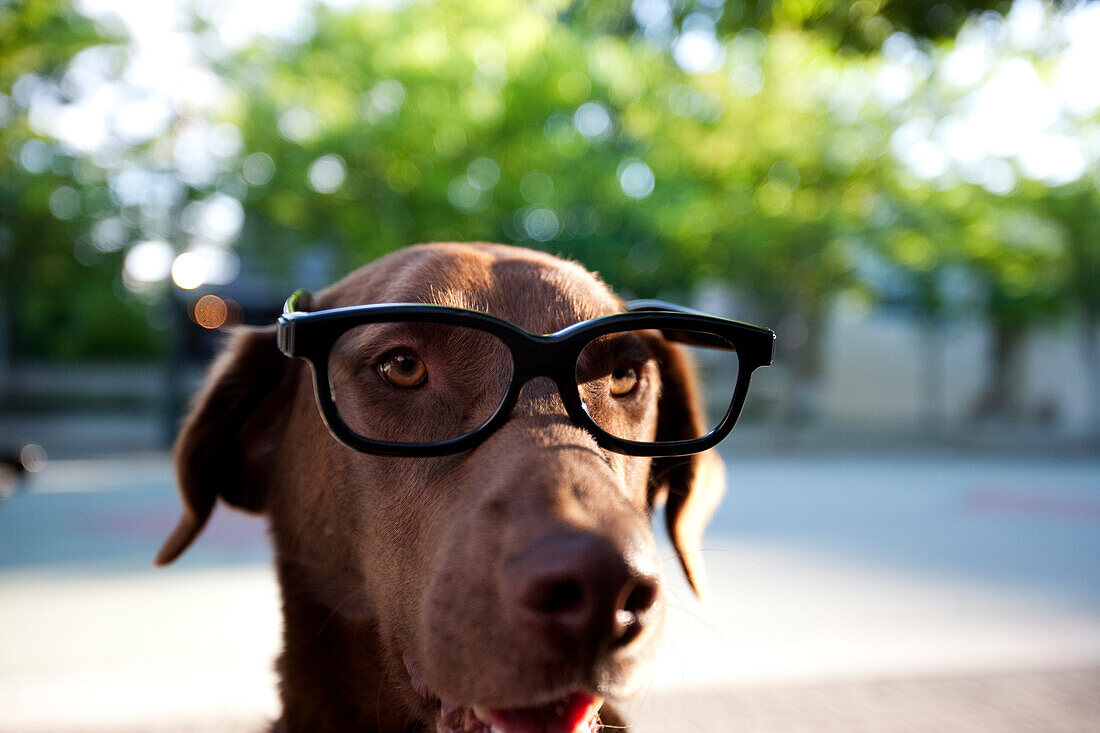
{"x":907,"y":191}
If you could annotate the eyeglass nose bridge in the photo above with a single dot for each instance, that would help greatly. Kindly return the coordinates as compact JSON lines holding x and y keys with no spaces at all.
{"x":554,"y":363}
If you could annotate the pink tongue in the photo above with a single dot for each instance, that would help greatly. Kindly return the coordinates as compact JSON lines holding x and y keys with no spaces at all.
{"x":574,"y":714}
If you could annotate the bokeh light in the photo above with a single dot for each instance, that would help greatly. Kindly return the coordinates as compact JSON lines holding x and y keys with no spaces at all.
{"x":537,"y":187}
{"x":697,"y":51}
{"x":211,"y":312}
{"x":189,"y":270}
{"x":593,"y":121}
{"x":33,"y":457}
{"x":483,"y":173}
{"x":148,"y":262}
{"x":258,"y":169}
{"x":327,"y":173}
{"x":636,"y":178}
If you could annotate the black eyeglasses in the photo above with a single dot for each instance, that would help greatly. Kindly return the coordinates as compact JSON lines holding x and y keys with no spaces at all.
{"x":412,"y":379}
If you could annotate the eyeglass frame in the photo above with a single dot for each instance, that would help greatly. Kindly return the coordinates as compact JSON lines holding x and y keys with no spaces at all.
{"x":311,"y":336}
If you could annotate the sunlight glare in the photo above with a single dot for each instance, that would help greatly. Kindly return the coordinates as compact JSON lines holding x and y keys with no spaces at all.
{"x":148,"y":262}
{"x":189,"y":270}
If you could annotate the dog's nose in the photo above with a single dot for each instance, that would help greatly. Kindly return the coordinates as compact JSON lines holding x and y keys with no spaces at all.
{"x":583,"y":591}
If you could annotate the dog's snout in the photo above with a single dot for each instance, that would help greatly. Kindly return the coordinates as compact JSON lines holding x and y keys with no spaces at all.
{"x":581,"y":591}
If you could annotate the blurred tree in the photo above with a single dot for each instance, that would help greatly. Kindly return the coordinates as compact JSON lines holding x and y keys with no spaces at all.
{"x":1018,"y":258}
{"x":997,"y":183}
{"x":391,"y":128}
{"x":41,"y":37}
{"x":859,"y":26}
{"x":666,"y":144}
{"x":770,"y":169}
{"x":62,"y":297}
{"x":1069,"y":279}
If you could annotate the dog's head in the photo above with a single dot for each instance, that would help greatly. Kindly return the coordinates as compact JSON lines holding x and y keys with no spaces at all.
{"x":513,"y":584}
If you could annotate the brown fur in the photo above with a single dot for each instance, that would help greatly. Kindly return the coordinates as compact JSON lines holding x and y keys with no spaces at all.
{"x":401,"y":577}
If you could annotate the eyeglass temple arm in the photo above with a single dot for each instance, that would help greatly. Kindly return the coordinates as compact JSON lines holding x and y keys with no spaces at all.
{"x":298,"y":303}
{"x":765,"y":336}
{"x":691,"y":338}
{"x":652,"y":304}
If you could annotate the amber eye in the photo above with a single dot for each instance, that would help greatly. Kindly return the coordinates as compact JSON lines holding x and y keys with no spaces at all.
{"x":623,"y":381}
{"x":403,"y":369}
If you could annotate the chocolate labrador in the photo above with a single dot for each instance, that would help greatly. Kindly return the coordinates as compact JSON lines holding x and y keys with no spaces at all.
{"x":459,"y":504}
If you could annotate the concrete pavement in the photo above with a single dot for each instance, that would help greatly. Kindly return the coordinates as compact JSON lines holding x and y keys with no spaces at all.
{"x":896,"y":592}
{"x":1062,"y":701}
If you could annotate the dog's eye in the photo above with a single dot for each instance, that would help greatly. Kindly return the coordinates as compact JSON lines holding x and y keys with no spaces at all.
{"x":403,"y":369}
{"x":623,"y":381}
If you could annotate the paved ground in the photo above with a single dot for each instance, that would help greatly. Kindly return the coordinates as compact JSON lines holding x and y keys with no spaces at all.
{"x":1047,"y":702}
{"x":884,"y":592}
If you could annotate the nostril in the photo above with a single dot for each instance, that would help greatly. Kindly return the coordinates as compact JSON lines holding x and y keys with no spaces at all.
{"x":555,"y":597}
{"x":630,"y":616}
{"x":581,"y":591}
{"x":641,"y":597}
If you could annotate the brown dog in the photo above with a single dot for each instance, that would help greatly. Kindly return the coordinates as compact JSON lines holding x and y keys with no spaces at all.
{"x":507,"y":588}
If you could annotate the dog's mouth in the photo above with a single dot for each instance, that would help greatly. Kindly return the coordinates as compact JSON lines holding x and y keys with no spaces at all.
{"x":575,"y":713}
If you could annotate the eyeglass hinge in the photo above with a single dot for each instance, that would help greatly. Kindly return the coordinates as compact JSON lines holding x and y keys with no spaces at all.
{"x":284,"y":336}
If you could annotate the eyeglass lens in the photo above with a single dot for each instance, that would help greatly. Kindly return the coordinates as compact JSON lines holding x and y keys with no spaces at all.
{"x":417,"y":382}
{"x":412,"y":382}
{"x":622,"y":375}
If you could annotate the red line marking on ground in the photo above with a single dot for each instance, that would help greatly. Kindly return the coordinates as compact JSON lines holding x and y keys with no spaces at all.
{"x":1034,"y":504}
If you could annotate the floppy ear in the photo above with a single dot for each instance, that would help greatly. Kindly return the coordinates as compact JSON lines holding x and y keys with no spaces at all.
{"x":225,"y":445}
{"x":691,"y":487}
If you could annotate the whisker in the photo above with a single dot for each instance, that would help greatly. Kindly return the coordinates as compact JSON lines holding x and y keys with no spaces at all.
{"x":700,"y":551}
{"x":681,"y":606}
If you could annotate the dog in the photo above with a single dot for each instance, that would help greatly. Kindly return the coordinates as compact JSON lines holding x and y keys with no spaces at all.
{"x":511,"y":587}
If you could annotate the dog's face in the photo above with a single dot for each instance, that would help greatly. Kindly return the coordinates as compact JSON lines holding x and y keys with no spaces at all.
{"x":514,"y":585}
